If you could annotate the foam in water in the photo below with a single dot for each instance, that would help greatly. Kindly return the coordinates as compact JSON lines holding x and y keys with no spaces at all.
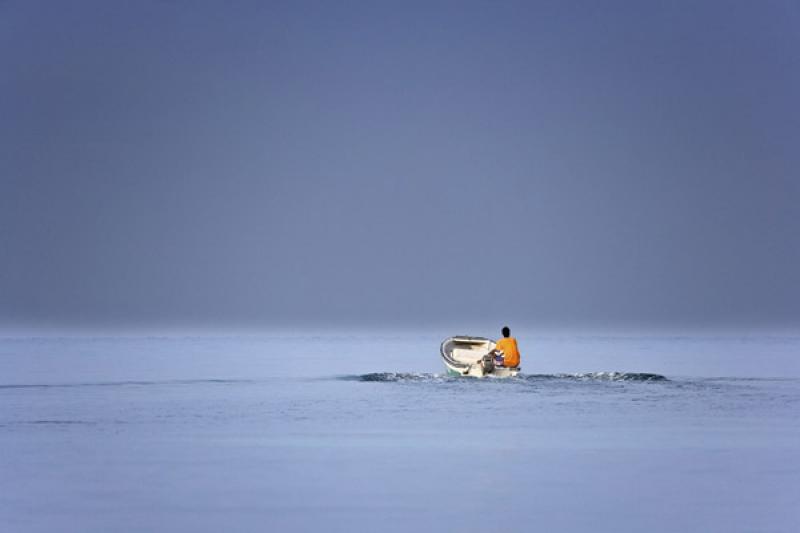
{"x":603,"y":376}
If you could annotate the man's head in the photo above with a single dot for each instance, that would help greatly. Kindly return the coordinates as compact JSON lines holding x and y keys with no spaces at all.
{"x":506,"y":331}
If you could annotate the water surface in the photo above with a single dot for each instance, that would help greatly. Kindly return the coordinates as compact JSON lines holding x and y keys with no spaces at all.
{"x":359,"y":433}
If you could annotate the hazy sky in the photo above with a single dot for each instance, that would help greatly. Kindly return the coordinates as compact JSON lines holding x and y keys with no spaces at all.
{"x":567,"y":163}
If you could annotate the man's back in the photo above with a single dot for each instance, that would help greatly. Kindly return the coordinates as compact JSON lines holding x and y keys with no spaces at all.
{"x":508,"y":345}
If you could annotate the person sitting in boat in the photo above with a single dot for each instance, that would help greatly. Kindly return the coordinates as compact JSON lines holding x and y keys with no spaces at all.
{"x":508,"y":346}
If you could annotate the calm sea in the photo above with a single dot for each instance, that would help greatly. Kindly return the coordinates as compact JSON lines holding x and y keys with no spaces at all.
{"x":341,"y":432}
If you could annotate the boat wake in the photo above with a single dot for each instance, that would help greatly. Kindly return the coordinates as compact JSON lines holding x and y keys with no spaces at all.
{"x":601,"y":376}
{"x":391,"y":377}
{"x":396,"y":376}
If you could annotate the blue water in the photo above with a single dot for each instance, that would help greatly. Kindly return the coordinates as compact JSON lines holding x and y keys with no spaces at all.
{"x":364,"y":433}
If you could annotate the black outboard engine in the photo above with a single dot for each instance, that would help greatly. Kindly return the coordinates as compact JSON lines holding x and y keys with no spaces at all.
{"x":487,"y":363}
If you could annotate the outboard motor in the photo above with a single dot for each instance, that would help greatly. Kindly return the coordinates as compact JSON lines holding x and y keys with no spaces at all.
{"x":487,"y":363}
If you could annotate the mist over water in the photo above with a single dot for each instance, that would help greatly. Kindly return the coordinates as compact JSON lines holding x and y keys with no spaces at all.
{"x":562,"y":164}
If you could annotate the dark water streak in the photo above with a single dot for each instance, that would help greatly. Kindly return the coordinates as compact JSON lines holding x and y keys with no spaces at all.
{"x":585,"y":376}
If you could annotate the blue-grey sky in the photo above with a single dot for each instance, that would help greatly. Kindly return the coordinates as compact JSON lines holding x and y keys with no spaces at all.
{"x":560,"y":163}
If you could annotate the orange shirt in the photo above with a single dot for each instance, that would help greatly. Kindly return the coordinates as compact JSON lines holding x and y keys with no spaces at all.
{"x":508,"y":345}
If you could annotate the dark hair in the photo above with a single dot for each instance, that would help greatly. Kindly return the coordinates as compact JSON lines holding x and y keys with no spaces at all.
{"x":506,"y":331}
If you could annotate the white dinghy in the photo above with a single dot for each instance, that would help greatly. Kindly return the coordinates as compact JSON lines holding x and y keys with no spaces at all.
{"x":471,"y":356}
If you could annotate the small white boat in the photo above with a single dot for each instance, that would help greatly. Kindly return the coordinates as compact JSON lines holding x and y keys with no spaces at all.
{"x":471,"y":356}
